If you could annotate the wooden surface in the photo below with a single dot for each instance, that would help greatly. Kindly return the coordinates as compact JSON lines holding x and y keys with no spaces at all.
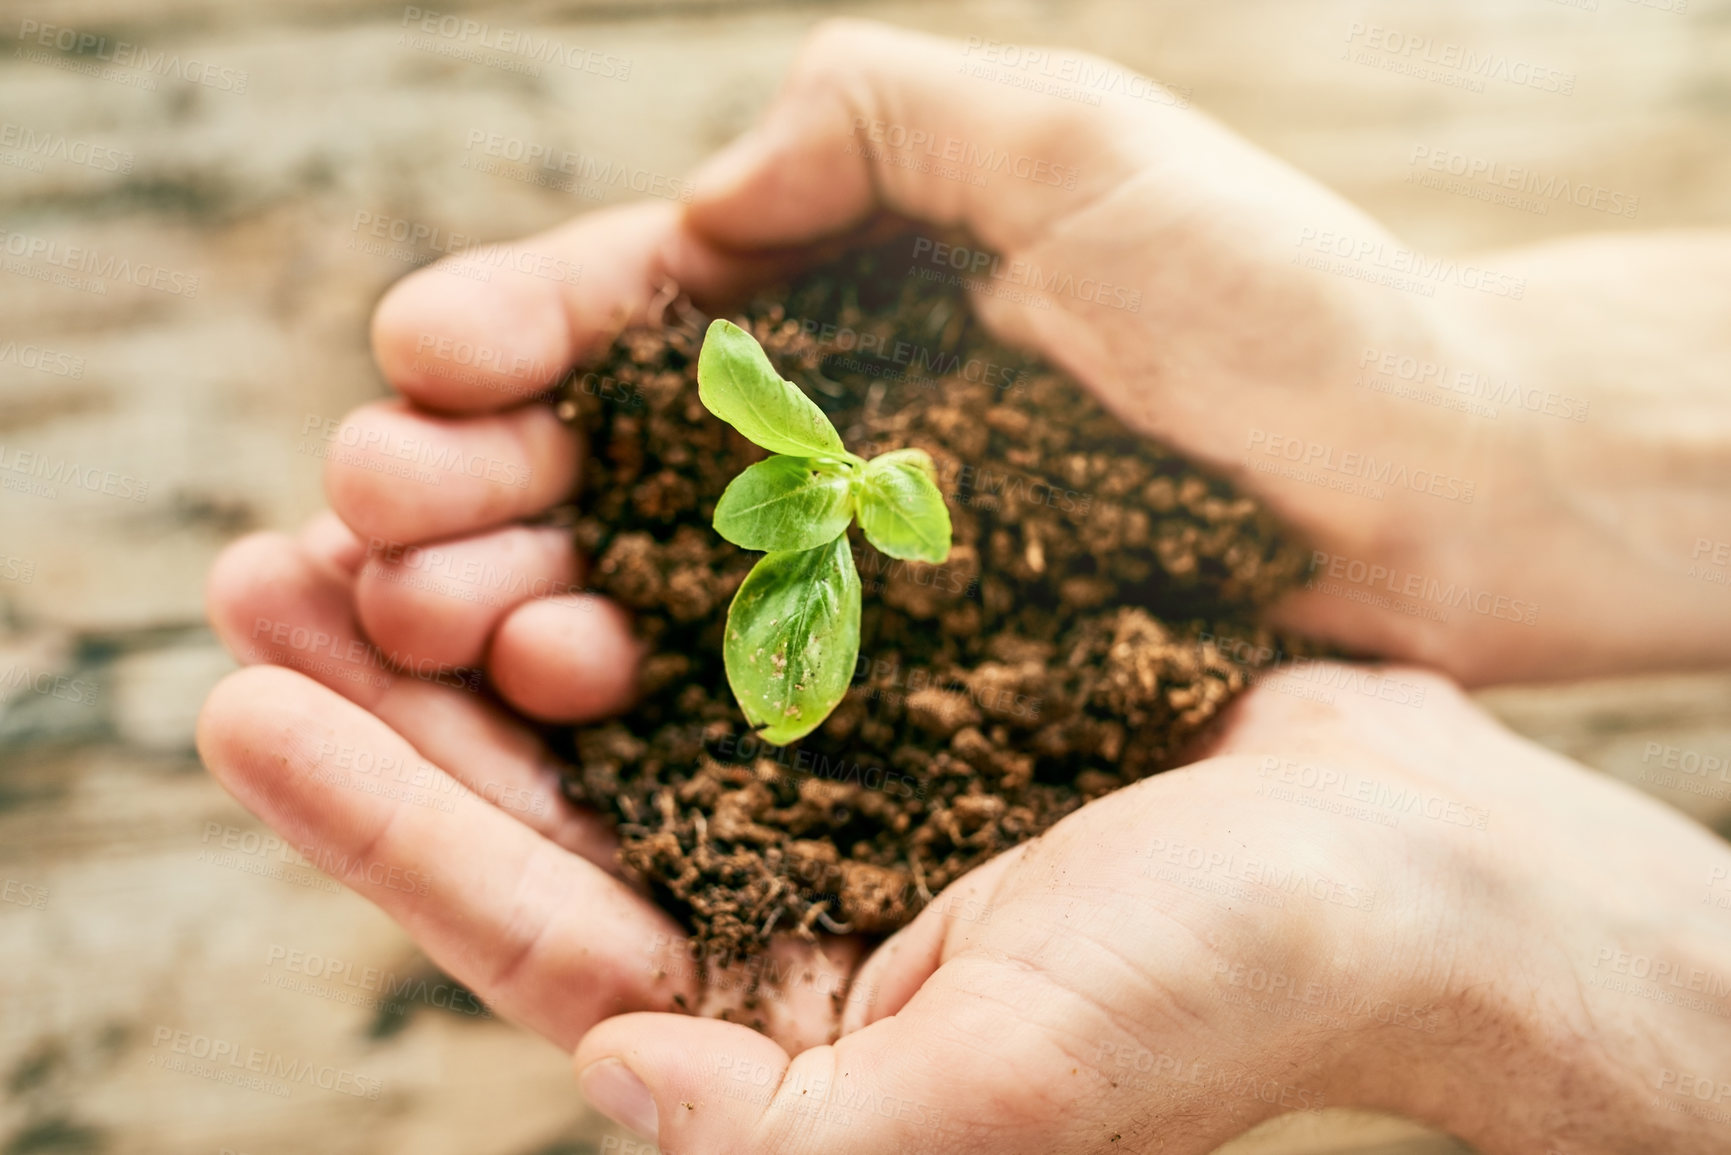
{"x":133,"y":919}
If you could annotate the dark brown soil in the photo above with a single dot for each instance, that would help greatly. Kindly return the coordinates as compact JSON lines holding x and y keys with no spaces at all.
{"x":1054,"y":658}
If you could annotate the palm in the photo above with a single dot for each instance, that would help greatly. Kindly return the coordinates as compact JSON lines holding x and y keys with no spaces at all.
{"x":1222,"y":943}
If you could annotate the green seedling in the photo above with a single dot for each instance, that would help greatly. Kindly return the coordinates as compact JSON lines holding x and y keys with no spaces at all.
{"x":793,"y":628}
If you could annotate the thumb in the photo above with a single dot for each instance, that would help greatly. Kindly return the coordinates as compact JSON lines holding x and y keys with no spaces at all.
{"x":875,"y":119}
{"x":981,"y":1061}
{"x":695,"y":1086}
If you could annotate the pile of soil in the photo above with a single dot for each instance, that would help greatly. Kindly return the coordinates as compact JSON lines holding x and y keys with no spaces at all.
{"x":1055,"y":657}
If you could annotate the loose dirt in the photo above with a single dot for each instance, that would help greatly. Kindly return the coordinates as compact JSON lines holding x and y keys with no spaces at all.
{"x":1060,"y":653}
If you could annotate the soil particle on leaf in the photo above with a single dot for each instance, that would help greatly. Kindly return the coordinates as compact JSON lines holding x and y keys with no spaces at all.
{"x":1060,"y":653}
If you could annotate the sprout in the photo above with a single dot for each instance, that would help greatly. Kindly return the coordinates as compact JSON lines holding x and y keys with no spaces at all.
{"x":800,"y":604}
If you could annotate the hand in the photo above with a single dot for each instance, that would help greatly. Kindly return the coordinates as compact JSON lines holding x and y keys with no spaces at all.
{"x":1554,"y":540}
{"x":1355,"y":905}
{"x":438,"y":804}
{"x":1570,"y":558}
{"x":511,"y":889}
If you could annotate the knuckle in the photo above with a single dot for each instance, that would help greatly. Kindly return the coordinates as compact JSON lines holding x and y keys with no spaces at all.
{"x":836,"y":39}
{"x":838,"y":56}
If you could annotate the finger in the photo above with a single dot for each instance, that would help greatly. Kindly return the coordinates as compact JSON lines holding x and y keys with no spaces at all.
{"x":566,"y":659}
{"x":553,"y":300}
{"x":980,"y":1061}
{"x":862,"y":116}
{"x":793,"y":992}
{"x":492,"y":754}
{"x":273,"y":602}
{"x":405,"y":476}
{"x":327,"y":540}
{"x":627,"y":1072}
{"x":443,"y":601}
{"x":921,"y":1081}
{"x":900,"y":966}
{"x":541,"y":935}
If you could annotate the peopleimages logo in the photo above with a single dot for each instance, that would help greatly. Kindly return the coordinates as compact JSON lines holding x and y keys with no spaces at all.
{"x":1544,"y":187}
{"x":41,"y":474}
{"x":24,"y":894}
{"x":343,"y":980}
{"x":1428,"y":58}
{"x":1325,"y":567}
{"x":1354,"y":470}
{"x":42,"y":359}
{"x":1365,"y":257}
{"x":983,"y":263}
{"x":461,"y":30}
{"x":584,"y":170}
{"x":915,"y":363}
{"x":437,"y":460}
{"x":964,"y":153}
{"x":20,"y":678}
{"x":1393,"y":800}
{"x":748,"y":748}
{"x":1662,"y":972}
{"x":103,"y":267}
{"x":54,"y":146}
{"x":1063,"y":74}
{"x":1468,"y":383}
{"x":225,"y":1061}
{"x":87,"y":46}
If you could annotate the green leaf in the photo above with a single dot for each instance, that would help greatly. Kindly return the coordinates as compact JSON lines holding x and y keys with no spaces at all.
{"x":793,"y":638}
{"x":786,"y":503}
{"x":900,"y":508}
{"x":737,"y":383}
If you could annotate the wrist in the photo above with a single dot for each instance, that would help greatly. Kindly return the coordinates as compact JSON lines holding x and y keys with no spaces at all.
{"x":1566,"y":1020}
{"x":1594,"y":541}
{"x":1613,"y":519}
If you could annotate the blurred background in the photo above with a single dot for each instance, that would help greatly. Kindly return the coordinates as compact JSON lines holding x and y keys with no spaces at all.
{"x":248,"y":201}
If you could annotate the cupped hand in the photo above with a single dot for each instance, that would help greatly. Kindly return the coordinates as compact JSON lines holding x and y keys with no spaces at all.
{"x":1357,"y":904}
{"x":363,"y":734}
{"x":434,"y":799}
{"x":1155,"y":255}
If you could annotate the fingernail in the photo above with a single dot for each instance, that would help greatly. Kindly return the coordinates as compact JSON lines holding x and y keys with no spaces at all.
{"x":614,"y":1091}
{"x":732,"y":166}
